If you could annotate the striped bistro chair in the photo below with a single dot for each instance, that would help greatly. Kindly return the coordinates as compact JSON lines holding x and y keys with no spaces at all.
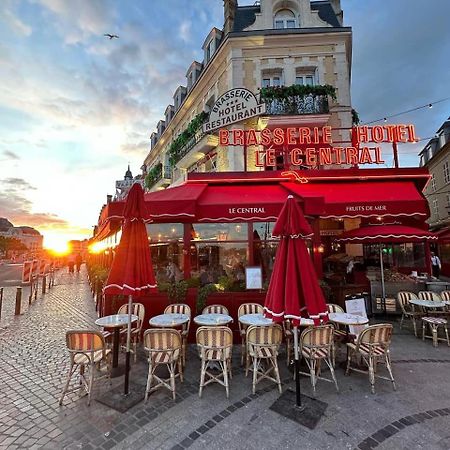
{"x":372,"y":345}
{"x":434,"y":323}
{"x":215,"y":309}
{"x":247,"y":308}
{"x":445,"y":296}
{"x":263,"y":343}
{"x":87,"y":349}
{"x":164,"y":348}
{"x":137,"y":309}
{"x":408,"y":310}
{"x":316,"y":344}
{"x":430,"y":295}
{"x":339,"y":333}
{"x":181,"y":308}
{"x":215,"y":345}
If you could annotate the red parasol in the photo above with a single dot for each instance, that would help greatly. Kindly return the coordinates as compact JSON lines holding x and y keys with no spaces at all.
{"x":132,"y":271}
{"x":294,"y":290}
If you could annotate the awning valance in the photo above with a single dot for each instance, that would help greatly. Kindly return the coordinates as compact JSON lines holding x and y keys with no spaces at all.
{"x":386,"y":234}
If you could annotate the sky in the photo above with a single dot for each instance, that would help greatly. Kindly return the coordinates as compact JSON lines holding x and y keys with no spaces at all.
{"x":76,"y":107}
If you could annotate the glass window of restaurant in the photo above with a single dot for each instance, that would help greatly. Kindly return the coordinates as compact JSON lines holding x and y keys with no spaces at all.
{"x":166,"y":243}
{"x":402,"y":257}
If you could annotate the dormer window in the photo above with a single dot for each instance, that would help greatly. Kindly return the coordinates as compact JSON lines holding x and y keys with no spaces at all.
{"x":285,"y":18}
{"x":210,"y":50}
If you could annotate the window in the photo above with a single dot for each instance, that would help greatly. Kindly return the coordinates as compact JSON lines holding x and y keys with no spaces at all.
{"x":435,"y":208}
{"x":433,"y":183}
{"x":284,"y":18}
{"x":446,"y":172}
{"x":210,"y":50}
{"x":271,"y":80}
{"x":305,"y":80}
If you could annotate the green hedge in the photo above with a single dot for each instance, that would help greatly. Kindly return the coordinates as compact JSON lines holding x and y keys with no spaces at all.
{"x":272,"y":93}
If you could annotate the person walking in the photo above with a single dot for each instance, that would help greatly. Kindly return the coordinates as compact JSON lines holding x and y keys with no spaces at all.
{"x":71,"y":263}
{"x":78,"y":262}
{"x":435,"y":265}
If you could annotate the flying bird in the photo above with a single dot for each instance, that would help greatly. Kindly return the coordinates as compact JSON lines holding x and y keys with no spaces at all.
{"x":111,"y":36}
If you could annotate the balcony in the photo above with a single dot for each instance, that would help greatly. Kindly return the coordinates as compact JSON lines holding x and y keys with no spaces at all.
{"x":159,"y":177}
{"x":297,"y":105}
{"x":198,"y":146}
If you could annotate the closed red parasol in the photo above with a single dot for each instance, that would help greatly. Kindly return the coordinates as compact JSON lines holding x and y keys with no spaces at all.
{"x":132,"y":271}
{"x":294,"y":290}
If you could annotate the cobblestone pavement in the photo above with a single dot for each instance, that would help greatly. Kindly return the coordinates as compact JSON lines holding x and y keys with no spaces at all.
{"x":33,"y":364}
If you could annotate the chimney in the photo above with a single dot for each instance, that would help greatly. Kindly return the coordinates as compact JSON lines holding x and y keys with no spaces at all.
{"x":229,"y":11}
{"x":108,"y":199}
{"x":336,"y":5}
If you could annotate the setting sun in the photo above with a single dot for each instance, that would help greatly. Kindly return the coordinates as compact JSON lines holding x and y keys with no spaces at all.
{"x":57,"y":244}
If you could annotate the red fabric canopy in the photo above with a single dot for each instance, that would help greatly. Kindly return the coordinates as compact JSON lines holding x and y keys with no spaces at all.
{"x":366,"y":198}
{"x":444,"y":235}
{"x":294,"y":290}
{"x":386,"y":234}
{"x":132,"y":271}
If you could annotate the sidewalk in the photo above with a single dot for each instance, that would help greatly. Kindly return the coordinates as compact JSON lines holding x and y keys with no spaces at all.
{"x":34,"y":360}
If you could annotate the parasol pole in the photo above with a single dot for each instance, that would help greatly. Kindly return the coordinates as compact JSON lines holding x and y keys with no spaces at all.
{"x":383,"y":290}
{"x":297,"y":370}
{"x":127,"y":356}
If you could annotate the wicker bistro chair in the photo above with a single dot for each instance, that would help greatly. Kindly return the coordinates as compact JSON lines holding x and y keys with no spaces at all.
{"x":445,"y":296}
{"x":246,"y":308}
{"x":434,"y":323}
{"x":164,"y":348}
{"x":215,"y":309}
{"x":372,"y":345}
{"x":430,"y":295}
{"x":408,"y":310}
{"x":181,"y":308}
{"x":316,"y":344}
{"x":137,"y":309}
{"x":215,"y":345}
{"x":263,"y":343}
{"x":87,"y":349}
{"x":339,"y":334}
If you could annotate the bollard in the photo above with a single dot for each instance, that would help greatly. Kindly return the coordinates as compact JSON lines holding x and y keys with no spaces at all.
{"x":36,"y":287}
{"x":1,"y":301}
{"x":30,"y":297}
{"x":44,"y":283}
{"x":18,"y":301}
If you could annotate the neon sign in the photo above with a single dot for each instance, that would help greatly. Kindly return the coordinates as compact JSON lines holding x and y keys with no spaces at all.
{"x":306,"y":146}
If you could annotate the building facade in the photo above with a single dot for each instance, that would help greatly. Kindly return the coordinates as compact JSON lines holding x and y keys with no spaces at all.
{"x":272,"y":44}
{"x":436,"y":157}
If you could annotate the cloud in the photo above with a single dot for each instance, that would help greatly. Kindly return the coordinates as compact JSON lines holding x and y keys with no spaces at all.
{"x":10,"y":20}
{"x":10,"y":155}
{"x":185,"y":30}
{"x":15,"y":206}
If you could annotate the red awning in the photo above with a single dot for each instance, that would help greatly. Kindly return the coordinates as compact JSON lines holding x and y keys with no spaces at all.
{"x":444,"y":235}
{"x":176,"y":204}
{"x":386,"y":234}
{"x":242,"y":203}
{"x":366,"y":198}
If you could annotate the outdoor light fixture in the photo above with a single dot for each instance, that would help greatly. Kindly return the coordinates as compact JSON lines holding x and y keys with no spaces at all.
{"x":320,"y":248}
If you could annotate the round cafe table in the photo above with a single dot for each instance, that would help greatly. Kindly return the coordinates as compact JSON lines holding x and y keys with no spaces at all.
{"x":347,"y":319}
{"x":427,"y":303}
{"x":169,"y":320}
{"x":115,"y":321}
{"x":213,"y":319}
{"x":255,"y":319}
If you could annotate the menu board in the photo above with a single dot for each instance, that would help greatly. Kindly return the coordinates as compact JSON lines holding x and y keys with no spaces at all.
{"x":253,"y":277}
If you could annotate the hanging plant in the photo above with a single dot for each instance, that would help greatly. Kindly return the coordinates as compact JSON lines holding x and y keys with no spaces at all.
{"x":153,"y":175}
{"x":180,"y":142}
{"x":355,"y":117}
{"x":281,"y":93}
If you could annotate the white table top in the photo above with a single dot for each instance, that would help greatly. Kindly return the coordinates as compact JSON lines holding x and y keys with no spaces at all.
{"x":255,"y":319}
{"x":213,"y":319}
{"x":169,"y":320}
{"x":426,"y":303}
{"x":115,"y":321}
{"x":347,"y":319}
